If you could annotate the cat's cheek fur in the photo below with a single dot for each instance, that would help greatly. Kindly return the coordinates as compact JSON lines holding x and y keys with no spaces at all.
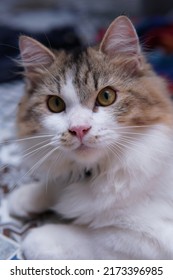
{"x":55,"y":123}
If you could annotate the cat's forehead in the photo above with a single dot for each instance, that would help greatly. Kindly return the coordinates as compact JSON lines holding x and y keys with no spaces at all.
{"x":82,"y":74}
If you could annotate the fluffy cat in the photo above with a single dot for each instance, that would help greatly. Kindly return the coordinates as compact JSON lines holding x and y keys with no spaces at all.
{"x":98,"y":128}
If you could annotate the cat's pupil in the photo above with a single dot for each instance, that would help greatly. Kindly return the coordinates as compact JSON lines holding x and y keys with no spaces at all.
{"x":106,"y":95}
{"x":57,"y":103}
{"x":88,"y":173}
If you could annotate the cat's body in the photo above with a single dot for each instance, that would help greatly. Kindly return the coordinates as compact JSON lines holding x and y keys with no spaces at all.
{"x":107,"y":160}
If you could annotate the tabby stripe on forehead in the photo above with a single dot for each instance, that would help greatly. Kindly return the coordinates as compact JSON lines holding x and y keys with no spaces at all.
{"x":77,"y":77}
{"x":86,"y":77}
{"x":88,"y":68}
{"x":77,"y":74}
{"x":95,"y":78}
{"x":58,"y":83}
{"x":63,"y":72}
{"x":87,"y":62}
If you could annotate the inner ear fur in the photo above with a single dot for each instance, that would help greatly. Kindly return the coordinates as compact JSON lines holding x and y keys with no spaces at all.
{"x":34,"y":56}
{"x":121,"y":39}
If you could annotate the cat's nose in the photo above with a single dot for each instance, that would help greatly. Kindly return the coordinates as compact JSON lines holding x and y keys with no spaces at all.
{"x":79,"y":131}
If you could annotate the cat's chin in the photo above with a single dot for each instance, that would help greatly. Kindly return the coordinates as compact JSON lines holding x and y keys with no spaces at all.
{"x":83,"y":149}
{"x":85,"y":154}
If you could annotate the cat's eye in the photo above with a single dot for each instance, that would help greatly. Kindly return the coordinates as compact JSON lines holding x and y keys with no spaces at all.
{"x":55,"y":104}
{"x":106,"y":97}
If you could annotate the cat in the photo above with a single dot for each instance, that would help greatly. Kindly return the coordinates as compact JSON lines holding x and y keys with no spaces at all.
{"x":98,"y":130}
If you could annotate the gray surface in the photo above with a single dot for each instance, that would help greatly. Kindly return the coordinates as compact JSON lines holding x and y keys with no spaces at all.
{"x":8,"y":248}
{"x":9,"y":98}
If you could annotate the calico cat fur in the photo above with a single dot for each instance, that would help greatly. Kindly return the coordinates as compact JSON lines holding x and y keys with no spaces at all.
{"x":105,"y":159}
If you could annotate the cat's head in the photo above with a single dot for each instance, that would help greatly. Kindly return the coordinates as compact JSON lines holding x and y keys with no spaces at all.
{"x":92,"y":103}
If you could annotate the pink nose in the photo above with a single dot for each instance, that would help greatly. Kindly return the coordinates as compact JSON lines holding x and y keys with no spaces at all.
{"x":79,"y":131}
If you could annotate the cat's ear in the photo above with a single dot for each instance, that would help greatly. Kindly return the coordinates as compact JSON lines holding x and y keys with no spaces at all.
{"x":35,"y":56}
{"x":121,"y":38}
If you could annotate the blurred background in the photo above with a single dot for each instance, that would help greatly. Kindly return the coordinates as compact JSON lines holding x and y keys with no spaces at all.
{"x":64,"y":24}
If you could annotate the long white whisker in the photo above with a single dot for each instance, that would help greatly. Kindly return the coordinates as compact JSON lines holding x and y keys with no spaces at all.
{"x":134,"y":126}
{"x":36,"y":145}
{"x":134,"y":141}
{"x":53,"y":163}
{"x":134,"y":133}
{"x":36,"y":150}
{"x":34,"y":137}
{"x":115,"y":152}
{"x":127,"y":145}
{"x":24,"y":139}
{"x":130,"y":171}
{"x":37,"y":164}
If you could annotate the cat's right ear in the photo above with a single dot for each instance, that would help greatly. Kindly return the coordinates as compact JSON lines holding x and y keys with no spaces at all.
{"x":35,"y":57}
{"x":121,"y":39}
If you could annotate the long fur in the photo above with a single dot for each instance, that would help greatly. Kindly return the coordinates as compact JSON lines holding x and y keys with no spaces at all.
{"x":114,"y":185}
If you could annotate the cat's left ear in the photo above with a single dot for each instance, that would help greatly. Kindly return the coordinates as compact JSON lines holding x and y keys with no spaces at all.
{"x":35,"y":56}
{"x":121,"y":39}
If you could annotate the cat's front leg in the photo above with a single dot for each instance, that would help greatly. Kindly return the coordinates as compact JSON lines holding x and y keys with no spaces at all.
{"x":58,"y":242}
{"x":30,"y":199}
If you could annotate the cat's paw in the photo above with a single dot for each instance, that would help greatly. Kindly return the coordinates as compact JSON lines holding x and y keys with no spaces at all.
{"x":16,"y":205}
{"x":57,"y":242}
{"x":39,"y":245}
{"x":19,"y":203}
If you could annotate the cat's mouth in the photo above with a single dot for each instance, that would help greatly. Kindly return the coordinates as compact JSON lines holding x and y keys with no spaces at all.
{"x":86,"y":154}
{"x":83,"y":148}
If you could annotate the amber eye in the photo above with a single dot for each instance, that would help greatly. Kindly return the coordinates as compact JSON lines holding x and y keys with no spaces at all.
{"x":106,"y":97}
{"x":55,"y":104}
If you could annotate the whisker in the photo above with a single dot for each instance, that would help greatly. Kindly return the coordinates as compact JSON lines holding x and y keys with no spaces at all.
{"x":115,"y":149}
{"x":134,"y":141}
{"x":134,"y":126}
{"x":115,"y":153}
{"x":36,"y":165}
{"x":134,"y":133}
{"x":34,"y":137}
{"x":131,"y":171}
{"x":129,"y":140}
{"x":36,"y":150}
{"x":53,"y":163}
{"x":38,"y":144}
{"x":26,"y":138}
{"x":127,"y":145}
{"x":127,"y":136}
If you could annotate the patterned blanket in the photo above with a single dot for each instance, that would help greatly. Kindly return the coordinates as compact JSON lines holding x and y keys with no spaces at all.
{"x":11,"y":172}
